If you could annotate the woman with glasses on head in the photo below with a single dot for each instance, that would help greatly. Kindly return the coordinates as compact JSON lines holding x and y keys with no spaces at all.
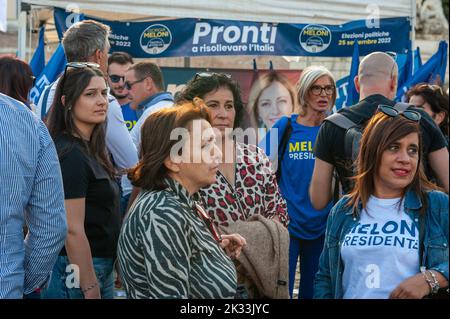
{"x":316,"y":92}
{"x":245,"y":185}
{"x":76,"y":123}
{"x":434,"y":101}
{"x":169,"y":247}
{"x":388,"y":238}
{"x":16,"y":79}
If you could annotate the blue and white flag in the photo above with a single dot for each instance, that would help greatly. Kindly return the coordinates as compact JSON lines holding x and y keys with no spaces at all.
{"x":431,"y":72}
{"x":50,"y":73}
{"x":352,"y":93}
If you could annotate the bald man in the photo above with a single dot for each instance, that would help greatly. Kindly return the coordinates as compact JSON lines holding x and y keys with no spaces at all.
{"x":376,"y":83}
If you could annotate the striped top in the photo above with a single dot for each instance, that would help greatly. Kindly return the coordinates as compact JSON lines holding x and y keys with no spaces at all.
{"x":31,"y":190}
{"x":166,"y":251}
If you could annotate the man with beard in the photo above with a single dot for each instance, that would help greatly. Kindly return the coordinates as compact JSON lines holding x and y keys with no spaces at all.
{"x":118,"y":64}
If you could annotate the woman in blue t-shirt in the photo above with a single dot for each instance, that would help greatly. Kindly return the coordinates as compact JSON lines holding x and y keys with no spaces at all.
{"x":316,"y":94}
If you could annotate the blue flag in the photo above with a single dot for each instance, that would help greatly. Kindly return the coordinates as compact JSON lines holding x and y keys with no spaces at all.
{"x":37,"y":62}
{"x":341,"y":88}
{"x":405,"y":72}
{"x":431,"y":72}
{"x":352,"y":94}
{"x":50,"y":73}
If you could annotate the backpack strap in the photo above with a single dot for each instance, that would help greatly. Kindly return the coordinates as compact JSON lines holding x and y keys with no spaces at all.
{"x":352,"y":133}
{"x":341,"y":121}
{"x":282,"y":146}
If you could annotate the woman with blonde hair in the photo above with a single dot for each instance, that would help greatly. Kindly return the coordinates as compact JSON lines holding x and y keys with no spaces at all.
{"x":316,"y":92}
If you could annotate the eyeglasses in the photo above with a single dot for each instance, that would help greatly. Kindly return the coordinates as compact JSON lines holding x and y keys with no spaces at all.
{"x":116,"y":78}
{"x":33,"y":80}
{"x":209,"y":222}
{"x":317,"y":90}
{"x":128,"y":85}
{"x":211,"y":74}
{"x":392,"y":112}
{"x":78,"y":65}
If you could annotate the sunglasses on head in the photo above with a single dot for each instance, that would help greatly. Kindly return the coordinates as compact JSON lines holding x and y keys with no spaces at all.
{"x":431,"y":87}
{"x":201,"y":75}
{"x":116,"y":78}
{"x":78,"y":65}
{"x":209,"y":222}
{"x":392,"y":112}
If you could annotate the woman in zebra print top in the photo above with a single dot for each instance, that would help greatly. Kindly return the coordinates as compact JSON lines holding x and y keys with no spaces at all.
{"x":168,"y":247}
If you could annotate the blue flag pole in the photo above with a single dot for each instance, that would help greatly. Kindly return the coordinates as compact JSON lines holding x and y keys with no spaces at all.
{"x":37,"y":62}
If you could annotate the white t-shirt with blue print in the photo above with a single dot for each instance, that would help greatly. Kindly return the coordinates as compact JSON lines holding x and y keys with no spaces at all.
{"x":380,"y":252}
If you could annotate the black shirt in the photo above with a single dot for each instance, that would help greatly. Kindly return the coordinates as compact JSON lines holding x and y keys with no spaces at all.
{"x":84,"y":177}
{"x":329,"y":145}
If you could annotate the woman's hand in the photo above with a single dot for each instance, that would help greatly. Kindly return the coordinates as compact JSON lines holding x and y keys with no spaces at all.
{"x":233,"y":244}
{"x":93,"y":293}
{"x":415,"y":287}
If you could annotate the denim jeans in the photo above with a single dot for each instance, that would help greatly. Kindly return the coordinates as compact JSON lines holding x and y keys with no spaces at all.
{"x":62,"y":284}
{"x":309,"y":253}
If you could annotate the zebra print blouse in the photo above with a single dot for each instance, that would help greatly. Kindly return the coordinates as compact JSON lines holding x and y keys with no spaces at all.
{"x":166,"y":251}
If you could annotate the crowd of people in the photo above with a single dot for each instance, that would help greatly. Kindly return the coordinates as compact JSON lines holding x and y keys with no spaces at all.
{"x":110,"y":182}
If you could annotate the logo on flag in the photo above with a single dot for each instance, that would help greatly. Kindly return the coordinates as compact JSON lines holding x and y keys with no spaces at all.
{"x":156,"y":39}
{"x":315,"y":38}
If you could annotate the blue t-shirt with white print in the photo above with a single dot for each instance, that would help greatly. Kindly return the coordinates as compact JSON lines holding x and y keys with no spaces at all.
{"x":296,"y":173}
{"x":130,"y":116}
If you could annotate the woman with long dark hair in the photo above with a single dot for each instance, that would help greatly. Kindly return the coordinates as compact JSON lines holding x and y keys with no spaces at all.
{"x":389,"y":237}
{"x":77,"y":125}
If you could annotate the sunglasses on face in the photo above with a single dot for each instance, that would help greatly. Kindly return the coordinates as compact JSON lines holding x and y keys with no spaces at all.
{"x":209,"y":222}
{"x":392,"y":112}
{"x":128,"y":85}
{"x":116,"y":78}
{"x":317,"y":89}
{"x":78,"y":65}
{"x":211,"y":74}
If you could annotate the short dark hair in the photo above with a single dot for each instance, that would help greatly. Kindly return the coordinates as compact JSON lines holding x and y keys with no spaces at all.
{"x":16,"y":78}
{"x":200,"y":86}
{"x":149,"y":69}
{"x":121,"y":58}
{"x":156,"y":144}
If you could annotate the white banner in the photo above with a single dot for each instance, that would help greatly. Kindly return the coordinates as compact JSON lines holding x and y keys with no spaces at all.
{"x":3,"y":11}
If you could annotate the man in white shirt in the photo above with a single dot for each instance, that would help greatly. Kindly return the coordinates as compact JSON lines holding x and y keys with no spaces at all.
{"x":87,"y":41}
